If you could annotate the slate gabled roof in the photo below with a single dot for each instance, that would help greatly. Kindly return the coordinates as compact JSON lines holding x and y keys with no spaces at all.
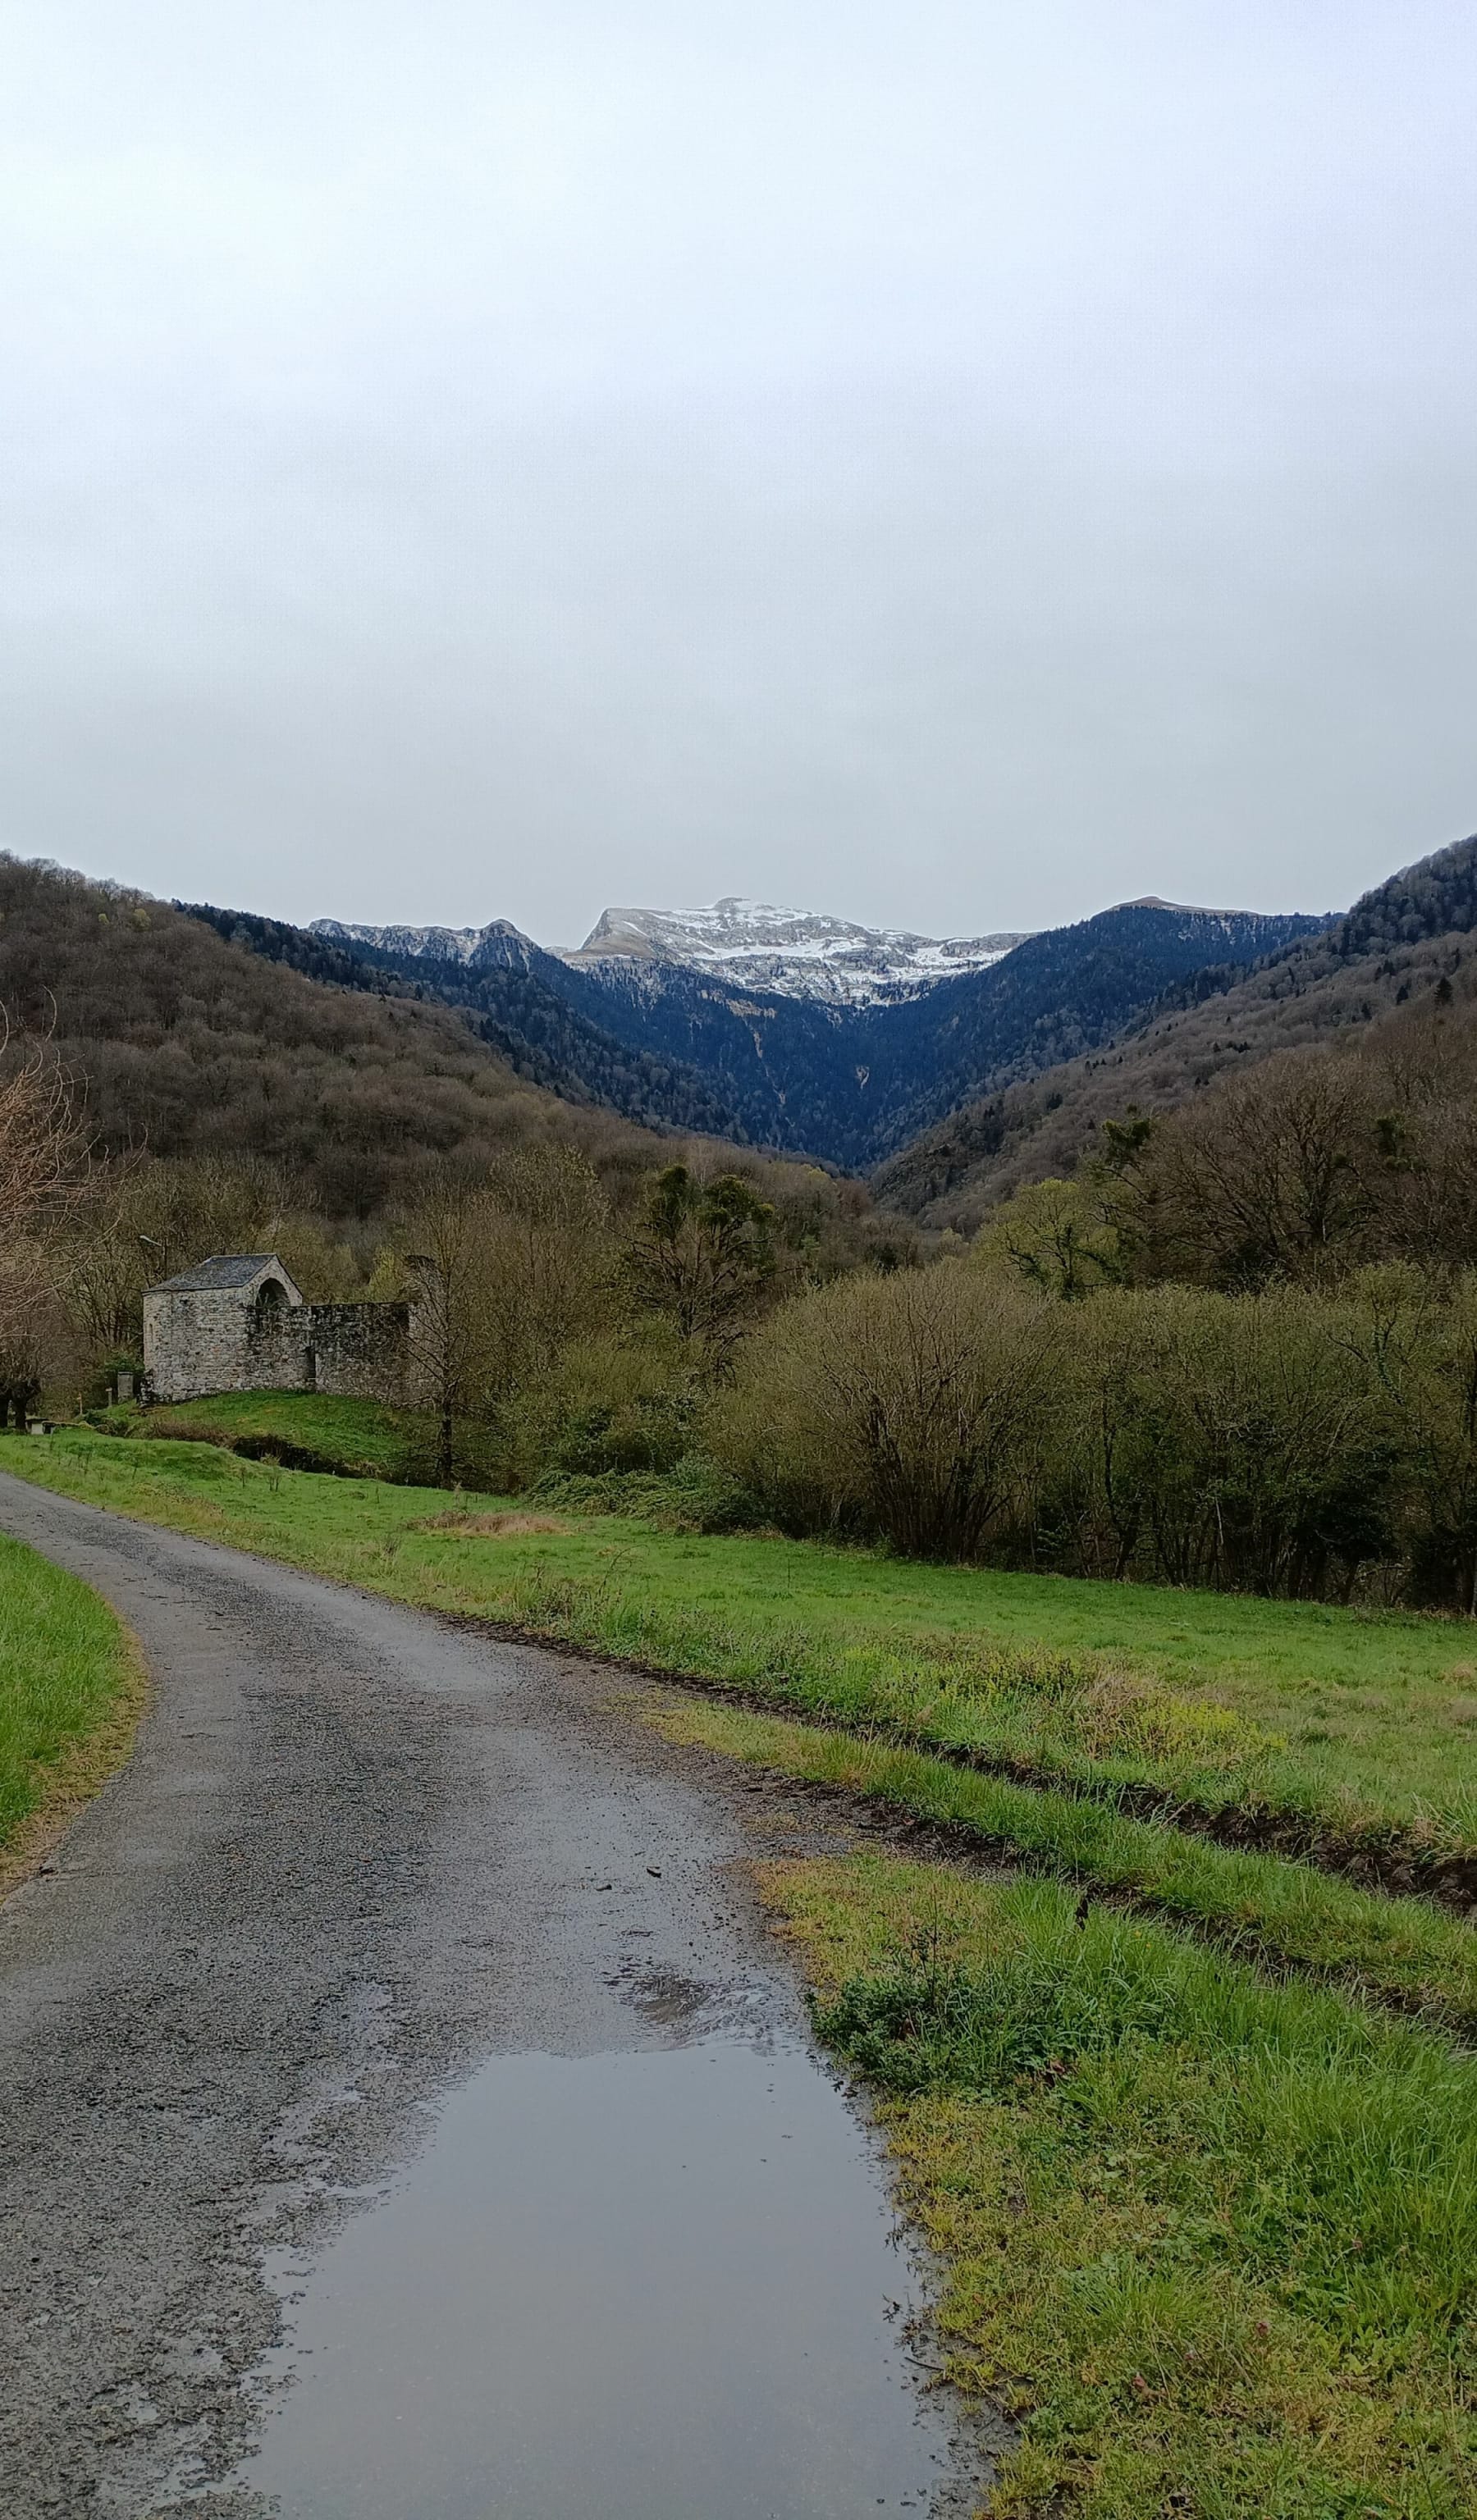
{"x":223,"y":1271}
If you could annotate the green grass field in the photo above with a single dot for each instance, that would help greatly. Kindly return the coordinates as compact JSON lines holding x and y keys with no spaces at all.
{"x":1403,"y":1952}
{"x":69,"y":1688}
{"x":312,"y":1431}
{"x":1204,"y":2200}
{"x":1351,"y":1727}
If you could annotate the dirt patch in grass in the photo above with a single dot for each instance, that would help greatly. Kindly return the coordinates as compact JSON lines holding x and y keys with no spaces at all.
{"x":494,"y":1526}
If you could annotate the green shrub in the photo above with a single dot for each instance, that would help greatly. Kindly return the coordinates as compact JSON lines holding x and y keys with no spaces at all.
{"x":908,"y":1407}
{"x":1291,"y":1442}
{"x":604,"y":1408}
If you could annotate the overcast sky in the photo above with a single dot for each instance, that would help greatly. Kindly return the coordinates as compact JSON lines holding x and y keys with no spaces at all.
{"x":953,"y":463}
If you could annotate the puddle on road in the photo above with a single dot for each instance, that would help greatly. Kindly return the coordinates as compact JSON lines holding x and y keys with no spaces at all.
{"x":660,"y":2285}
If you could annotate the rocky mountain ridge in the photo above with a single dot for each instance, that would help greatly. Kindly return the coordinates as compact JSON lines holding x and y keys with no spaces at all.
{"x":497,"y":946}
{"x":755,"y":944}
{"x":696,"y":1044}
{"x":791,"y":953}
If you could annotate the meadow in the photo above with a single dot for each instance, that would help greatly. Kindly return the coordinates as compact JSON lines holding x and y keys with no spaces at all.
{"x":1349,"y":1727}
{"x":1209,"y":2240}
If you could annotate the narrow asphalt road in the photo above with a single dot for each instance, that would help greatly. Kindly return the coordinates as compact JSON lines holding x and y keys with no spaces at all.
{"x":354,"y":1853}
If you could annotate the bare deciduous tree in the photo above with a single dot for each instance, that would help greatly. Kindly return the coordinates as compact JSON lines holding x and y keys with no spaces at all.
{"x":548,"y":1256}
{"x":446,"y":1277}
{"x":43,"y":1173}
{"x":147,"y":1219}
{"x":1263,"y":1177}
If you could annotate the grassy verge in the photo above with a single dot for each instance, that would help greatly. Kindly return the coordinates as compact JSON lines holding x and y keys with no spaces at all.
{"x":1033,"y":1712}
{"x":71,"y":1691}
{"x":1213,"y":2241}
{"x":1397,"y":1951}
{"x":306,"y":1430}
{"x":1196,"y":1702}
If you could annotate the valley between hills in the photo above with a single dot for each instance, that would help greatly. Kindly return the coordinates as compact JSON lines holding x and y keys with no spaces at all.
{"x":950,"y":1073}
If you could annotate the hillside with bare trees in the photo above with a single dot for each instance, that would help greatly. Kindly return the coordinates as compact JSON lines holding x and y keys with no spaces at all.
{"x":1401,"y":945}
{"x":184,"y":1043}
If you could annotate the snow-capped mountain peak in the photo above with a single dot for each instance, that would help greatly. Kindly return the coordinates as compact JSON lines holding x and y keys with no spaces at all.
{"x":796,"y":953}
{"x":498,"y":942}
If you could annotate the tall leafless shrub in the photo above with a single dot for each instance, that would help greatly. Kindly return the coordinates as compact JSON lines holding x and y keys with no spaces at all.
{"x":907,"y":1406}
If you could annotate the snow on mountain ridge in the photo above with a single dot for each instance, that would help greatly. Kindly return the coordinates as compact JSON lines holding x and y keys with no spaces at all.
{"x":464,"y":945}
{"x":754,"y":944}
{"x":795,"y":953}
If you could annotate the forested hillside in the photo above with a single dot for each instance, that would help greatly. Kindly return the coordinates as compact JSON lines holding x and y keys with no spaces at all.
{"x":519,"y":1004}
{"x":844,"y":1084}
{"x":1398,"y":944}
{"x":187,"y":1044}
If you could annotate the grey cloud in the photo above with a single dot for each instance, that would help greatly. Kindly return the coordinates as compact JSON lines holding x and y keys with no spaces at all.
{"x":954,"y":467}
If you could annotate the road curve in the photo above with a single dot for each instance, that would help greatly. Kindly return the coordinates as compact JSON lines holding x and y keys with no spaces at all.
{"x":355,"y":1851}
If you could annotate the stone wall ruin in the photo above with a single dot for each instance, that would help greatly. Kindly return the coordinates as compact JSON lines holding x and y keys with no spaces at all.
{"x":238,"y":1323}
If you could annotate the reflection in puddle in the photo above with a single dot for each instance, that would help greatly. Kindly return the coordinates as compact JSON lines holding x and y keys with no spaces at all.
{"x":650,"y":2286}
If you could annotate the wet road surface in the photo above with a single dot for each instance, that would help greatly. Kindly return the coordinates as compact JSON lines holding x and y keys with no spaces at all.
{"x":403,"y":2111}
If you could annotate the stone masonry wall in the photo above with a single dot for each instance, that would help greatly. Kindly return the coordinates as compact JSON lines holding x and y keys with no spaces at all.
{"x":274,"y":1354}
{"x":199,"y":1342}
{"x":359,"y":1351}
{"x":194,"y":1343}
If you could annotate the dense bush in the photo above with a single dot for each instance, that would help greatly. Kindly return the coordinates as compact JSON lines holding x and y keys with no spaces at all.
{"x":908,"y":1406}
{"x":607,"y":1406}
{"x":1211,"y":1441}
{"x":1285,"y":1443}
